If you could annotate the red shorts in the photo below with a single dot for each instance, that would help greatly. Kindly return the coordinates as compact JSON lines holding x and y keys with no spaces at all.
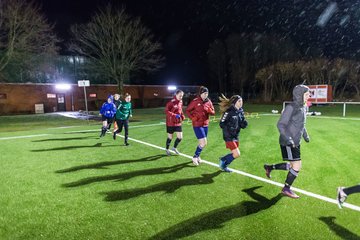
{"x":232,"y":145}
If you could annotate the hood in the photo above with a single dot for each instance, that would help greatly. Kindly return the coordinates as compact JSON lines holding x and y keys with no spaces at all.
{"x":298,"y":94}
{"x":111,"y":97}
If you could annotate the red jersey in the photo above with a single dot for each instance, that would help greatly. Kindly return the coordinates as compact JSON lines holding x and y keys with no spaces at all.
{"x":173,"y":108}
{"x":199,"y":111}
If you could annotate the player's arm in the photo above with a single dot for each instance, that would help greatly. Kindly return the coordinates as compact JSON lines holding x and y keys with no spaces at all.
{"x":283,"y":123}
{"x":306,"y":135}
{"x":224,"y":119}
{"x":189,"y":109}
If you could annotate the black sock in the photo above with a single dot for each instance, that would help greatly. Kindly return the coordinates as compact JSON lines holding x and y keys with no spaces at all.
{"x":291,"y":177}
{"x":168,"y":141}
{"x":281,"y":166}
{"x":177,"y":141}
{"x":351,"y":190}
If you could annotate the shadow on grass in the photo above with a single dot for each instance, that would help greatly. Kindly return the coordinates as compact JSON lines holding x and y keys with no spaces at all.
{"x":338,"y":229}
{"x":102,"y":165}
{"x":167,"y":187}
{"x":128,"y":175}
{"x":218,"y":217}
{"x":73,"y":147}
{"x":65,"y":139}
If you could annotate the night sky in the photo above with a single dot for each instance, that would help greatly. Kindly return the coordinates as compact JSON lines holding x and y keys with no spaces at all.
{"x":185,"y":28}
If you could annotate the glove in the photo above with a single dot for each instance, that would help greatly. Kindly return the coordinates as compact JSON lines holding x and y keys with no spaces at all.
{"x":307,"y":139}
{"x":178,"y":116}
{"x":243,"y":124}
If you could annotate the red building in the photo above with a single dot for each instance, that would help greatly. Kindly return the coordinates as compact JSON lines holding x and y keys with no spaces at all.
{"x":20,"y":98}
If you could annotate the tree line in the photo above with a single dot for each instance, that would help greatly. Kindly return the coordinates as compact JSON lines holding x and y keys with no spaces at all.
{"x":267,"y":67}
{"x":115,"y":46}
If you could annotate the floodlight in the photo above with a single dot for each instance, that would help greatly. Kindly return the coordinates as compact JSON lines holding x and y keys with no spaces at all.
{"x":171,"y":87}
{"x":63,"y":86}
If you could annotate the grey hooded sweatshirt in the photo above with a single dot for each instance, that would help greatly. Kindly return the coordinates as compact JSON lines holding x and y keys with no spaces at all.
{"x":291,"y":124}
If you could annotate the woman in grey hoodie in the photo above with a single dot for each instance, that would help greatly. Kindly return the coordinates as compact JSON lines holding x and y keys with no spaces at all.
{"x":292,"y":128}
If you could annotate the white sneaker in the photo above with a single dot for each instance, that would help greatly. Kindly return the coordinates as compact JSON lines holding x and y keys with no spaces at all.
{"x":195,"y":161}
{"x":175,"y":150}
{"x":341,"y":196}
{"x":199,"y":160}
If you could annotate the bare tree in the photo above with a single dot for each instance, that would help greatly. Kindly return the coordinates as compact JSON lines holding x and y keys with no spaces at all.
{"x":117,"y":44}
{"x":217,"y":60}
{"x":25,"y":34}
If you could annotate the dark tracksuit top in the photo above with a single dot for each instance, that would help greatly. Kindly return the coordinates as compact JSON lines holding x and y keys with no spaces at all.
{"x":231,"y":122}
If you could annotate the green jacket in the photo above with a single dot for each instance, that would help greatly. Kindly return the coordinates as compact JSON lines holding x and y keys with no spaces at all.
{"x":123,"y":111}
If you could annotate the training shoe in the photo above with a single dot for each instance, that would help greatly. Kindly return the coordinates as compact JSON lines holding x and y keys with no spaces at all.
{"x":341,"y":196}
{"x":175,"y":150}
{"x":195,"y":161}
{"x":268,"y":169}
{"x":287,"y":192}
{"x":222,"y":165}
{"x":167,"y":152}
{"x":199,"y":160}
{"x":127,"y":144}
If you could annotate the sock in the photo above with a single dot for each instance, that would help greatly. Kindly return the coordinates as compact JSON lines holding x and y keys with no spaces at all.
{"x":103,"y":130}
{"x":168,"y":141}
{"x":108,"y":127}
{"x":291,"y":177}
{"x":198,"y":151}
{"x":228,"y":159}
{"x":351,"y":190}
{"x":177,"y":141}
{"x":281,"y":166}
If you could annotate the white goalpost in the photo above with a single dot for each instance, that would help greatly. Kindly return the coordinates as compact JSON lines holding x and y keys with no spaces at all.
{"x":344,"y":104}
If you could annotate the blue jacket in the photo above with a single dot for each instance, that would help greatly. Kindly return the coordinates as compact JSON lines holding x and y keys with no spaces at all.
{"x":108,"y":110}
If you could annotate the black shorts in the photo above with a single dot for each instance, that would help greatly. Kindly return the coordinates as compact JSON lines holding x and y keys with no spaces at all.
{"x":109,"y":120}
{"x":172,"y":129}
{"x":290,"y":153}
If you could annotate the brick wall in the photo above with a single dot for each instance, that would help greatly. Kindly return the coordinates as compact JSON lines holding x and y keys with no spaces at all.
{"x":21,"y":98}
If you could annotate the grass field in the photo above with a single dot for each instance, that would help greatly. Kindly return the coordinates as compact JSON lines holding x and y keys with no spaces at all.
{"x":60,"y":181}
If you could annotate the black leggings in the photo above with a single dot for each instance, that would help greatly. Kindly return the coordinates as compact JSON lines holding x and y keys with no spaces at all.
{"x":121,"y":124}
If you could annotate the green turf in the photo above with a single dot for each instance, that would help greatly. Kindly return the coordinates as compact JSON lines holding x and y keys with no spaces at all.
{"x":69,"y":184}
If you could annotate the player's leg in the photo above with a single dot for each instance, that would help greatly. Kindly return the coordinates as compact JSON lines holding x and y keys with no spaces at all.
{"x":170,"y":133}
{"x":179,"y":136}
{"x":286,"y":154}
{"x":126,"y":128}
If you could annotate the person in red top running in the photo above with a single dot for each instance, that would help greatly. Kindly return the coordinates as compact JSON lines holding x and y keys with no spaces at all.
{"x":174,"y":118}
{"x":198,"y":111}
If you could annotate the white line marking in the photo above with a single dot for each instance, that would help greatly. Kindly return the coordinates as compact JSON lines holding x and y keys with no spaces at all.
{"x":28,"y":136}
{"x":310,"y":194}
{"x":136,"y":126}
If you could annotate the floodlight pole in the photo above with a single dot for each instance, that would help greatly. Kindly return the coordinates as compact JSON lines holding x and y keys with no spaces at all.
{"x":86,"y":106}
{"x":85,"y":83}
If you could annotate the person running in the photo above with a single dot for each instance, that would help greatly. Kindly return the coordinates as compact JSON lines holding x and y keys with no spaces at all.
{"x":231,"y":122}
{"x":174,"y":118}
{"x":344,"y":192}
{"x":117,"y":102}
{"x":198,"y":111}
{"x":291,"y":127}
{"x":107,"y":112}
{"x":123,"y":113}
